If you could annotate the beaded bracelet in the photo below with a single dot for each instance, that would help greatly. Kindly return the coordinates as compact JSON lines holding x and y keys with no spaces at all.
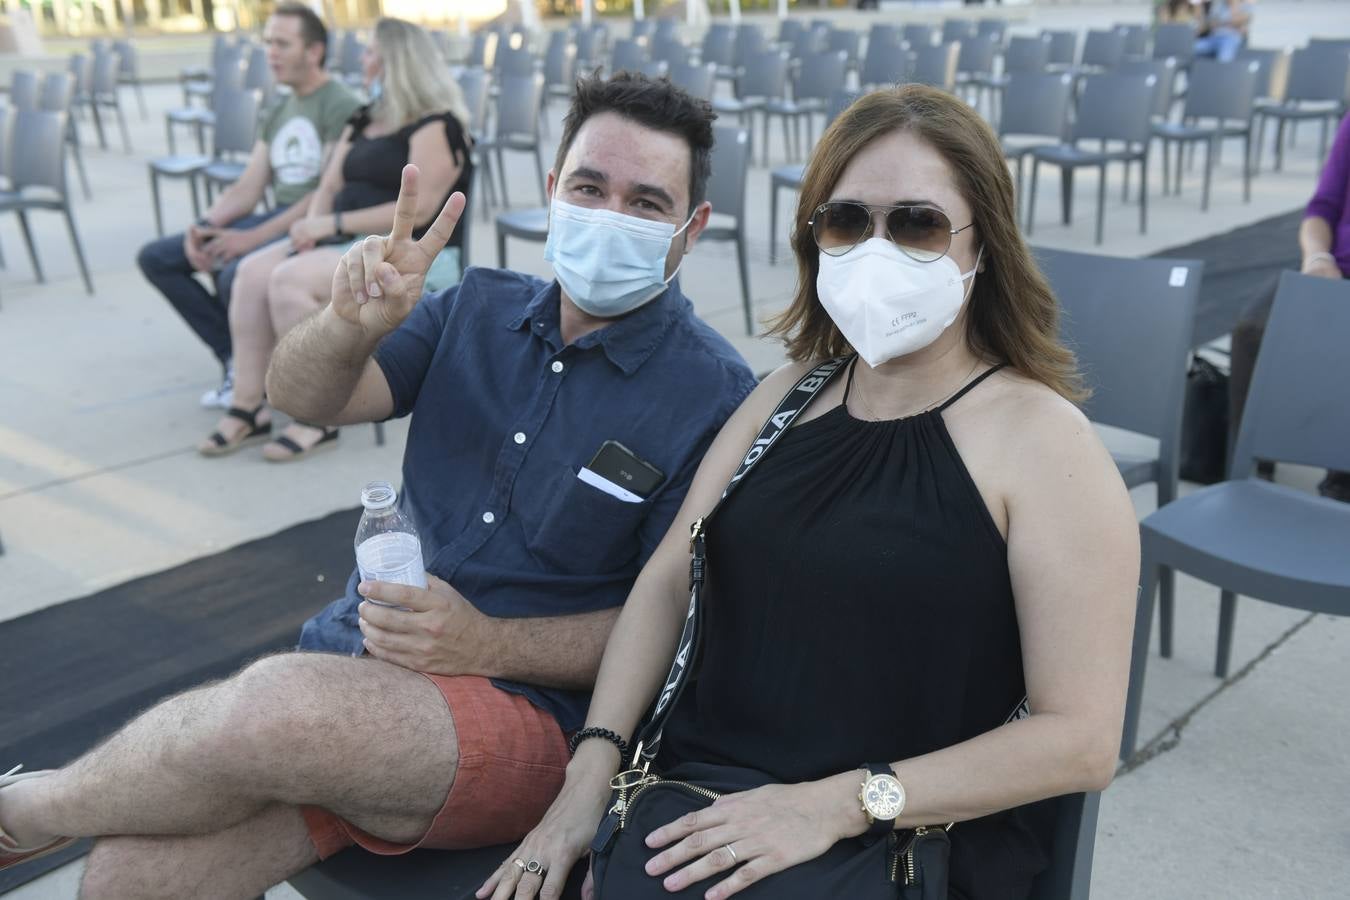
{"x":603,"y":734}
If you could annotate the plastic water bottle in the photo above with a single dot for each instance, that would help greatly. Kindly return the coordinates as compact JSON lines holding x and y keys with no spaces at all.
{"x":387,"y":548}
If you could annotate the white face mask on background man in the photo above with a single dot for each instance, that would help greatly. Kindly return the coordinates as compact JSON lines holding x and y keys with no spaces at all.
{"x":608,"y":263}
{"x":887,"y":304}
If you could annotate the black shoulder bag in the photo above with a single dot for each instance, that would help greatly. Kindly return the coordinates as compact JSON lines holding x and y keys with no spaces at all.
{"x":910,"y":866}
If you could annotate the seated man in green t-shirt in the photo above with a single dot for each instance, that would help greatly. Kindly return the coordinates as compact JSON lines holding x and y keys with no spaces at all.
{"x":294,"y":136}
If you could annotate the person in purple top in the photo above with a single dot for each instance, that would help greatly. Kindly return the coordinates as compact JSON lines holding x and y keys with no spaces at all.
{"x":1324,"y":240}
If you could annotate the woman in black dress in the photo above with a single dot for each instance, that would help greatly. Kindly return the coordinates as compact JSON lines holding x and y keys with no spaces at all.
{"x":416,"y":115}
{"x":940,"y":534}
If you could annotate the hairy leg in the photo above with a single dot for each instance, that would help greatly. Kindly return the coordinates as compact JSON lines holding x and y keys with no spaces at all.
{"x":368,"y":740}
{"x":240,"y":862}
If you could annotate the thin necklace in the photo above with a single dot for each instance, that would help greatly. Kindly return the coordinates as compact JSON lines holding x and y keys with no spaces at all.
{"x":876,"y":418}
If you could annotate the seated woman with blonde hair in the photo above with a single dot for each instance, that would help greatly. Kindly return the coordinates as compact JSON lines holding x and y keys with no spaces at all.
{"x":416,"y":115}
{"x":939,"y":536}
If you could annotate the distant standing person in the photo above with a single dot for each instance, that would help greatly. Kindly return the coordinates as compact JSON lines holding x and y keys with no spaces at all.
{"x":1324,"y":239}
{"x":294,"y":135}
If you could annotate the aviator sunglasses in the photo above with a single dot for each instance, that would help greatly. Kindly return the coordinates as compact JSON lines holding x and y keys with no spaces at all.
{"x":922,"y":233}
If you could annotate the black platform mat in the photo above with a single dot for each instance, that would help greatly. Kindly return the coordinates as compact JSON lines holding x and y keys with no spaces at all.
{"x":73,"y":673}
{"x":1241,"y":266}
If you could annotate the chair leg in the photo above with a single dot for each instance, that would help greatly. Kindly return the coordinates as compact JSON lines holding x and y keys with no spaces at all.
{"x":539,"y":170}
{"x":1125,"y":187}
{"x":773,"y":224}
{"x":1167,"y":164}
{"x":379,"y":434}
{"x":154,"y":199}
{"x":79,"y":249}
{"x":1211,"y":150}
{"x":1259,"y":126}
{"x":1066,"y":193}
{"x":196,"y":200}
{"x":80,"y":170}
{"x":1322,"y":146}
{"x":140,"y":101}
{"x":744,"y":265}
{"x":766,"y":134}
{"x":1247,"y":167}
{"x":1143,"y":193}
{"x":32,"y":248}
{"x":122,"y":123}
{"x":1279,"y":144}
{"x":1031,"y":199}
{"x":1101,"y":201}
{"x":1167,"y":579}
{"x":168,"y":133}
{"x":1018,"y":185}
{"x":1143,"y":625}
{"x":501,"y":249}
{"x":501,"y":174}
{"x":1224,"y":650}
{"x":98,"y":124}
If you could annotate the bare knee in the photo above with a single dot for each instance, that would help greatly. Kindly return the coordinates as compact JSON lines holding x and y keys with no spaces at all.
{"x":121,"y":867}
{"x":290,"y":295}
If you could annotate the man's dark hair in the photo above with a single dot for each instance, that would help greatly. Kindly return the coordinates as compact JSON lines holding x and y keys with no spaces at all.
{"x":312,"y":29}
{"x":654,"y":103}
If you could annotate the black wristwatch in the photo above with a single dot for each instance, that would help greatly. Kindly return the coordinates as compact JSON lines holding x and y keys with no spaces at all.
{"x":883,"y":799}
{"x":337,"y":222}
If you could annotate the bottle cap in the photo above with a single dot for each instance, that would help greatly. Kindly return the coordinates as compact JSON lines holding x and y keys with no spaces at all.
{"x":378,"y":495}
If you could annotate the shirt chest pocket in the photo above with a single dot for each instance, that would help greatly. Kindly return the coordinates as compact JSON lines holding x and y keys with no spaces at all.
{"x":585,"y":531}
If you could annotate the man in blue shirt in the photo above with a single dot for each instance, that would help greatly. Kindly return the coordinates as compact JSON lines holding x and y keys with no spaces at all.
{"x":451,"y":731}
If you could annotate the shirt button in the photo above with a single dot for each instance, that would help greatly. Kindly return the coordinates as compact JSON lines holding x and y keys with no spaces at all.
{"x":520,"y":437}
{"x":557,"y":366}
{"x":489,"y":518}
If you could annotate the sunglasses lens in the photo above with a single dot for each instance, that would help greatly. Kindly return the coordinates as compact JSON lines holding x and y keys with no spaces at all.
{"x":921,"y":232}
{"x":839,"y":226}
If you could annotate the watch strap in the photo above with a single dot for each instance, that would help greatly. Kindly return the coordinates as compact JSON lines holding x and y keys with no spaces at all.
{"x":879,"y":827}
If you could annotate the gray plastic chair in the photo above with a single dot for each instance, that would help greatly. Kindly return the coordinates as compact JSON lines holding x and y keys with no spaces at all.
{"x":1263,"y":93}
{"x":789,"y":30}
{"x":726,"y":192}
{"x":718,"y":47}
{"x":669,"y":50}
{"x":1063,"y":48}
{"x":129,"y":71}
{"x":818,"y":78}
{"x":23,"y":89}
{"x":1316,"y":89}
{"x":886,"y":62}
{"x":994,"y":28}
{"x":482,"y":51}
{"x":1176,"y":41}
{"x":642,"y":28}
{"x":473,"y":85}
{"x":190,"y":166}
{"x":696,"y":79}
{"x":790,"y":177}
{"x":957,"y":30}
{"x":235,"y":134}
{"x":37,"y":174}
{"x":917,"y":35}
{"x":228,"y":74}
{"x":1136,"y":40}
{"x":845,"y":41}
{"x":1035,"y":105}
{"x":56,"y":95}
{"x":935,"y":66}
{"x":628,"y":55}
{"x":1249,"y":536}
{"x":592,"y":45}
{"x":513,"y":61}
{"x":1223,"y":94}
{"x":103,"y":94}
{"x":560,"y":67}
{"x":764,"y":79}
{"x":1102,"y":51}
{"x":1111,"y":108}
{"x":517,"y":126}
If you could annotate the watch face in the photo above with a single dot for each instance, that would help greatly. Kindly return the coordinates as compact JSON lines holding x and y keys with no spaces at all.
{"x":884,"y":797}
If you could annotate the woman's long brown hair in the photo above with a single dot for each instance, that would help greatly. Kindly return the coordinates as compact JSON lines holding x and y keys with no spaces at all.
{"x":1013,"y":316}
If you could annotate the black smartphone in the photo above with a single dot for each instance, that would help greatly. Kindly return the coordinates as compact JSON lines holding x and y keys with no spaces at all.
{"x":615,"y":462}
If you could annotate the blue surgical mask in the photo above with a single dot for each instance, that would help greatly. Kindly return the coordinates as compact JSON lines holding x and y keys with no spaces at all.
{"x":376,"y":89}
{"x":607,"y":262}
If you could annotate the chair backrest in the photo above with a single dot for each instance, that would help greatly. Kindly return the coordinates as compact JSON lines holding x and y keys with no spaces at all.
{"x":642,"y":28}
{"x":560,"y":63}
{"x":820,"y":76}
{"x":1130,"y":322}
{"x":719,"y":45}
{"x":765,"y":75}
{"x":936,"y":65}
{"x":844,"y":40}
{"x":128,"y":60}
{"x":1104,"y":49}
{"x":1176,"y":40}
{"x":473,"y":84}
{"x":592,"y":44}
{"x":257,"y":74}
{"x":236,"y":113}
{"x":1341,"y":45}
{"x":483,"y":50}
{"x":730,"y":166}
{"x":513,"y":61}
{"x":750,"y":42}
{"x":1069,"y":875}
{"x":1165,"y":70}
{"x":38,"y":150}
{"x":917,"y":35}
{"x":993,"y":28}
{"x":1318,"y":75}
{"x":79,"y":67}
{"x":1136,"y":39}
{"x":881,"y":33}
{"x":976,"y":56}
{"x":696,"y":80}
{"x":628,"y":54}
{"x":228,"y":71}
{"x":23,"y":89}
{"x":1221,"y":90}
{"x":789,"y":29}
{"x":1298,"y":410}
{"x":58,"y":90}
{"x":839,"y":101}
{"x":1036,"y":103}
{"x":886,"y":62}
{"x":808,"y":41}
{"x":559,"y":38}
{"x":958,"y":30}
{"x":6,"y":136}
{"x":1268,"y":60}
{"x":1063,"y":47}
{"x":669,"y":49}
{"x":103,"y":76}
{"x":1027,"y":54}
{"x":518,"y":106}
{"x":1116,"y":108}
{"x":668,"y":29}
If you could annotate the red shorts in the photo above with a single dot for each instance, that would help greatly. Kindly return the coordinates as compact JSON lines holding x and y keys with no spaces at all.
{"x":512,"y":757}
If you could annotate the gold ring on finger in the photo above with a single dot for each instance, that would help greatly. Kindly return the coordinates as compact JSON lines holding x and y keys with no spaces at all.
{"x":727,"y":847}
{"x":519,"y":863}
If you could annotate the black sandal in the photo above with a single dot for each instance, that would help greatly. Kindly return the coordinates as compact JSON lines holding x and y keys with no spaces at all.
{"x":294,"y":451}
{"x":223,"y":446}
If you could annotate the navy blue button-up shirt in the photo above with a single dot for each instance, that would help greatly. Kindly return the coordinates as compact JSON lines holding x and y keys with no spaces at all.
{"x":505,"y":415}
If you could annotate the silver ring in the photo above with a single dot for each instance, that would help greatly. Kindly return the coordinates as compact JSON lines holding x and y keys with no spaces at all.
{"x":519,"y":862}
{"x":535,"y":867}
{"x":727,"y":847}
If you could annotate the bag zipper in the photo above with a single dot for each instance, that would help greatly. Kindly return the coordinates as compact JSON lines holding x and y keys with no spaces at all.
{"x":905,"y":858}
{"x":628,"y":796}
